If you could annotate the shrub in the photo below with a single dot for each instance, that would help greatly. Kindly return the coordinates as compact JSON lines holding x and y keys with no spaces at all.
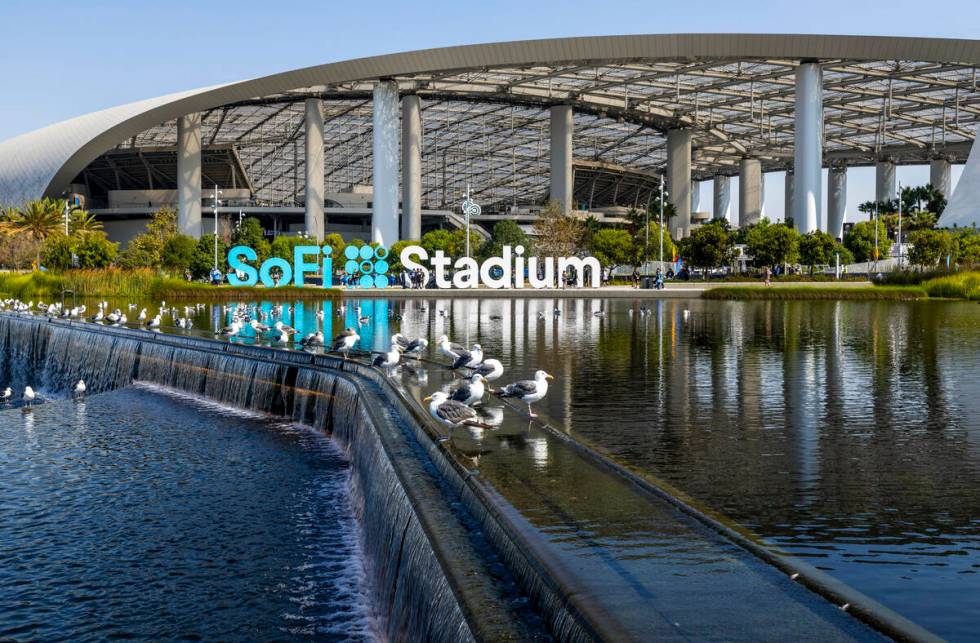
{"x":861,"y":241}
{"x":178,"y":252}
{"x":94,"y":250}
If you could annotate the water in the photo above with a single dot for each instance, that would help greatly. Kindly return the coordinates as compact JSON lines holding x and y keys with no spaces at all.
{"x":145,"y":514}
{"x":845,"y":433}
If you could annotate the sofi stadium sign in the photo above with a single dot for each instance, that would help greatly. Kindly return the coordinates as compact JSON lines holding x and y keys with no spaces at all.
{"x":369,"y":267}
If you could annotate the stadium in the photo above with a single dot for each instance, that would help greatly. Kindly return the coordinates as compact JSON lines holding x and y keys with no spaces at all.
{"x":388,"y":147}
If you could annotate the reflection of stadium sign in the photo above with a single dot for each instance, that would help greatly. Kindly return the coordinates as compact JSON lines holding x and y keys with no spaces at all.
{"x":368,"y":268}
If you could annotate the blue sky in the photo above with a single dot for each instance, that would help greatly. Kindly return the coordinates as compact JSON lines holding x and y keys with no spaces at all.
{"x":61,"y":59}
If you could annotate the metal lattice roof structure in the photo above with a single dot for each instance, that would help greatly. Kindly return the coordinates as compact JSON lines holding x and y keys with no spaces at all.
{"x":485,"y":112}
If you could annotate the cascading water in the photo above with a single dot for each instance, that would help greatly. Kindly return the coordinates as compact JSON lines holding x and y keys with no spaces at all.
{"x":412,"y":594}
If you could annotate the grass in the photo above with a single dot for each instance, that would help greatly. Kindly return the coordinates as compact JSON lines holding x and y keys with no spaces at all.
{"x":879,"y":293}
{"x":963,"y":285}
{"x":138,"y":284}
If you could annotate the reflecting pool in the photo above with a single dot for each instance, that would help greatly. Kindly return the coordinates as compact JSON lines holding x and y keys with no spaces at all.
{"x":145,"y":514}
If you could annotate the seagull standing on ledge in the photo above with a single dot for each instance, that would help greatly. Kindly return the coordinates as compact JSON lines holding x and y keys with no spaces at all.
{"x":7,"y":394}
{"x":491,"y":370}
{"x":80,"y":389}
{"x":470,"y":393}
{"x":468,"y":358}
{"x":528,"y":391}
{"x":29,"y":396}
{"x":344,"y":342}
{"x":390,"y":359}
{"x":449,"y":349}
{"x":452,"y":413}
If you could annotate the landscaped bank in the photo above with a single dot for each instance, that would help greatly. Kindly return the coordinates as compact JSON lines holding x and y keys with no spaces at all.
{"x":964,"y":285}
{"x":139,"y":284}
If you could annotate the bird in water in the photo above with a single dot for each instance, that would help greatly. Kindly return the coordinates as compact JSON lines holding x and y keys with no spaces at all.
{"x":80,"y":389}
{"x":471,"y":392}
{"x":8,"y":394}
{"x":528,"y":391}
{"x":344,"y":342}
{"x":491,"y":370}
{"x":468,"y":358}
{"x":232,"y":329}
{"x":29,"y":396}
{"x":452,"y":413}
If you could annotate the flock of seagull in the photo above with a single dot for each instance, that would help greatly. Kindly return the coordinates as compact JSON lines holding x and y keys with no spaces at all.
{"x":453,"y":408}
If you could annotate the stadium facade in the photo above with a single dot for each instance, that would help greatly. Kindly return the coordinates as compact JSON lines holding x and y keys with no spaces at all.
{"x":387,"y":147}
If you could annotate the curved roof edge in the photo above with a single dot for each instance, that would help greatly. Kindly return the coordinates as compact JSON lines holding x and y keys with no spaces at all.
{"x":42,"y":162}
{"x":963,"y":209}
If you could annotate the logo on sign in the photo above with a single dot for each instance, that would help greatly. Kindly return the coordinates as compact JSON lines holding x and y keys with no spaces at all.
{"x":370,"y":263}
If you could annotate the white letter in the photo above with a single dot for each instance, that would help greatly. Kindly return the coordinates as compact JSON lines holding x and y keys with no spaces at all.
{"x":467,"y":273}
{"x":519,"y":267}
{"x":439,"y":262}
{"x":549,"y":273}
{"x":406,"y":259}
{"x":579,"y":265}
{"x":503,"y":263}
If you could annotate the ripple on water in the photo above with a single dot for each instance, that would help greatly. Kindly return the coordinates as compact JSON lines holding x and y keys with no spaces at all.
{"x":144,"y":514}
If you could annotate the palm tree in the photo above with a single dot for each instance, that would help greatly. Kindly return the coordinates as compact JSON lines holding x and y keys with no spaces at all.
{"x":40,"y":219}
{"x":84,"y":222}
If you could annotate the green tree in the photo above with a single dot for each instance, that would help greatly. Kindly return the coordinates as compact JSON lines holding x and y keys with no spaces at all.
{"x":94,"y":250}
{"x":145,"y":250}
{"x":640,"y":242}
{"x":437,"y":240}
{"x":968,"y":245}
{"x":771,"y":244}
{"x":163,"y":224}
{"x":83,"y":222}
{"x":394,"y":255}
{"x":709,"y":246}
{"x":930,"y":247}
{"x":505,"y":233}
{"x":861,"y":240}
{"x":249,"y":233}
{"x":40,"y":219}
{"x":337,"y":245}
{"x":178,"y":252}
{"x":458,"y":246}
{"x":57,"y":251}
{"x":613,"y":247}
{"x":816,"y":249}
{"x":283,"y":247}
{"x":843,"y":253}
{"x":203,"y":259}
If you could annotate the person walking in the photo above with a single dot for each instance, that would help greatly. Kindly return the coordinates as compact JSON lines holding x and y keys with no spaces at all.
{"x":636,"y":277}
{"x":768,"y":277}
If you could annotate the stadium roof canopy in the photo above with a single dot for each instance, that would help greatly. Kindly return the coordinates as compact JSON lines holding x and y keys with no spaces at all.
{"x":486,"y":117}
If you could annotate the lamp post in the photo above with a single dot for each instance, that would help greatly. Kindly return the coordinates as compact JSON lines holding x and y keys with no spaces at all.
{"x":876,"y":235}
{"x":662,"y":195}
{"x":67,"y":213}
{"x":899,"y":226}
{"x":470,"y":209}
{"x":215,"y":209}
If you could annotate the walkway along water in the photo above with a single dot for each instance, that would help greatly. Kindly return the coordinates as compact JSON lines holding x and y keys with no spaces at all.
{"x":602,"y":555}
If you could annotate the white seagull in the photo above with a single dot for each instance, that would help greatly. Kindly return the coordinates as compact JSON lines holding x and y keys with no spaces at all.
{"x":471,"y":392}
{"x":452,"y":413}
{"x":80,"y":389}
{"x":29,"y":396}
{"x":528,"y":391}
{"x":344,"y":342}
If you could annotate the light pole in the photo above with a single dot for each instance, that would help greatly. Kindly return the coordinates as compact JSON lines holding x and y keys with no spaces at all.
{"x":67,"y":213}
{"x":900,"y":226}
{"x":216,"y":193}
{"x":876,"y":235}
{"x":662,"y":195}
{"x":470,"y":209}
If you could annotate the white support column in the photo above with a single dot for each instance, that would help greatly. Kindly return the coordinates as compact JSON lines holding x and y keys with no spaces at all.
{"x":314,"y":192}
{"x":189,"y":175}
{"x":940,"y":176}
{"x":679,"y":179}
{"x":411,"y":167}
{"x":808,"y":147}
{"x":885,"y":189}
{"x":836,"y":200}
{"x":790,"y":184}
{"x":384,"y":211}
{"x":562,"y":123}
{"x":749,"y":192}
{"x":722,"y":198}
{"x":695,"y":197}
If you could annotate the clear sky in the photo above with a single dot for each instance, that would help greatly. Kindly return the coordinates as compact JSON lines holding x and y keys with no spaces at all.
{"x":64,"y":58}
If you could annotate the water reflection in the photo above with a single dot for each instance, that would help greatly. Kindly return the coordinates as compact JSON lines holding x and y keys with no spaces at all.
{"x":845,"y":432}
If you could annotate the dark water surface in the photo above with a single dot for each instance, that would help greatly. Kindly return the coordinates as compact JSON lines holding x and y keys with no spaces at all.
{"x":845,"y":433}
{"x":141,"y":514}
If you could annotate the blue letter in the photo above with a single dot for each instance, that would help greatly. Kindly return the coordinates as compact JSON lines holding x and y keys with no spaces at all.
{"x":327,"y":267}
{"x":268,"y":265}
{"x":303,"y":267}
{"x":234,"y":260}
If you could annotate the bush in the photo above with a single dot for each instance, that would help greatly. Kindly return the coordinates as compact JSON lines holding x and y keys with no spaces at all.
{"x":816,"y":249}
{"x":861,"y":241}
{"x":929,"y":247}
{"x":709,"y":246}
{"x":248,"y":233}
{"x":178,"y":252}
{"x":772,"y":244}
{"x":57,"y":251}
{"x":203,"y":258}
{"x":965,"y":285}
{"x":613,"y":247}
{"x":94,"y":251}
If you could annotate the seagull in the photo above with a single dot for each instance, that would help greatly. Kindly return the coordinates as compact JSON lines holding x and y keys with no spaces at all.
{"x":491,"y":370}
{"x":258,"y":328}
{"x":142,"y":316}
{"x":388,"y":360}
{"x":449,"y":349}
{"x":452,"y":413}
{"x":313,"y":339}
{"x":29,"y":396}
{"x":344,"y":342}
{"x":7,"y":394}
{"x":470,"y":393}
{"x":528,"y":391}
{"x":468,"y":358}
{"x":80,"y":389}
{"x":232,"y":329}
{"x":154,"y":323}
